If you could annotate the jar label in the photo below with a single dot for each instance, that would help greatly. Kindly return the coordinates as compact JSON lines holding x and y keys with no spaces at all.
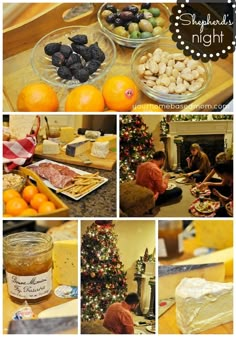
{"x":29,"y":287}
{"x":162,"y":252}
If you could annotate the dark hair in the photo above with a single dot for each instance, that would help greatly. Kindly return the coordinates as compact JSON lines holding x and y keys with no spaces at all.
{"x":159,"y":155}
{"x":132,"y":298}
{"x":224,"y":167}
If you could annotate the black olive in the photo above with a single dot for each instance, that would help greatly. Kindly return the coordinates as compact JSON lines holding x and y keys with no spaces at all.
{"x":126,"y":16}
{"x":76,"y":67}
{"x":111,"y":18}
{"x":65,"y":50}
{"x":79,"y":39}
{"x":73,"y":58}
{"x":82,"y":75}
{"x":58,"y":59}
{"x":111,"y":8}
{"x":93,"y":66}
{"x":52,"y":48}
{"x":131,"y":8}
{"x":146,"y":5}
{"x":139,"y":16}
{"x":64,"y":72}
{"x":118,"y":22}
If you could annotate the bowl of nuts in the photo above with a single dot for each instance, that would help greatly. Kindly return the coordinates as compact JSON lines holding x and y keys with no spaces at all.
{"x":130,"y":25}
{"x":166,"y":75}
{"x":14,"y":180}
{"x":71,"y":56}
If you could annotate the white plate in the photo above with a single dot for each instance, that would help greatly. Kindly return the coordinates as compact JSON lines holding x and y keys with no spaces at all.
{"x":150,"y":328}
{"x":138,"y":332}
{"x":199,"y":208}
{"x":182,"y":180}
{"x":48,"y":184}
{"x":170,"y":186}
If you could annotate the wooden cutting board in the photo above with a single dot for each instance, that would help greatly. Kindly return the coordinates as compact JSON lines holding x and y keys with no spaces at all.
{"x":100,"y":163}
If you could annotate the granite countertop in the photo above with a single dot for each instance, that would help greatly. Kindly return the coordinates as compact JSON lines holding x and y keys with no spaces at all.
{"x":99,"y":203}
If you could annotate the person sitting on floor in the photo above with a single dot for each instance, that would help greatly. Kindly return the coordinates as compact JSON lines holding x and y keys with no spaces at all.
{"x":149,"y":174}
{"x":214,"y":182}
{"x":118,"y":317}
{"x":198,"y":164}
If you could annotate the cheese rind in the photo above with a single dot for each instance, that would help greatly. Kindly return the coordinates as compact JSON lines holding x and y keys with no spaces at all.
{"x":50,"y":147}
{"x":67,"y":309}
{"x":224,"y":255}
{"x":170,"y":276}
{"x":65,"y":262}
{"x":202,"y":305}
{"x":66,"y":134}
{"x":75,"y":149}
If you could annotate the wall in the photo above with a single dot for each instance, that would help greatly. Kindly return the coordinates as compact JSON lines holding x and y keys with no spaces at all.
{"x":134,"y":236}
{"x":153,"y":123}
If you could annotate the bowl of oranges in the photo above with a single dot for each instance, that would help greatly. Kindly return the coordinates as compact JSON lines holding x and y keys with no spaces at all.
{"x":74,"y":55}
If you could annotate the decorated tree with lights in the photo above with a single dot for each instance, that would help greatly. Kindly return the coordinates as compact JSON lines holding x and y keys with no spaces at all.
{"x":136,"y":145}
{"x":103,"y":280}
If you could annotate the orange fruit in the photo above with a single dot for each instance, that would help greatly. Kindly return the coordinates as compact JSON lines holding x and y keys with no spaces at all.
{"x":9,"y":194}
{"x":86,"y":98}
{"x":28,"y":212}
{"x":147,"y":108}
{"x":29,"y":192}
{"x":46,"y":207}
{"x":7,"y":215}
{"x":37,"y":200}
{"x":16,"y":206}
{"x":120,"y":93}
{"x":37,"y":97}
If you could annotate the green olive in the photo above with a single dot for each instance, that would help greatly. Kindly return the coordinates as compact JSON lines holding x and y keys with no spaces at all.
{"x":155,"y":11}
{"x":160,"y":21}
{"x":145,"y":35}
{"x":145,"y":26}
{"x":157,"y":31}
{"x":120,"y":31}
{"x":153,"y":22}
{"x":133,"y":26}
{"x":135,"y":34}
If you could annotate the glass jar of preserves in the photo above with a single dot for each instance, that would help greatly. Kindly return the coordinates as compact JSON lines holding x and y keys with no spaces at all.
{"x":170,"y":238}
{"x":28,"y":264}
{"x":53,"y":134}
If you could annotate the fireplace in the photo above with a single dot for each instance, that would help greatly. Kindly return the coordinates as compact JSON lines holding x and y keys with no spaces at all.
{"x":213,"y":136}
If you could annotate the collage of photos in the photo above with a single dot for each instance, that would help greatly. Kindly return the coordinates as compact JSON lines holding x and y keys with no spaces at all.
{"x":117,"y":168}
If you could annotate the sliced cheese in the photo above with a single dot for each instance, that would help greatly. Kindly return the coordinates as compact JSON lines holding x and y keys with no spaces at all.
{"x":50,"y":147}
{"x":216,"y":234}
{"x":111,"y":139}
{"x":100,"y":149}
{"x":224,"y":255}
{"x":202,"y":305}
{"x":67,"y":309}
{"x":67,"y":134}
{"x":170,"y":276}
{"x":76,"y":149}
{"x":65,"y":262}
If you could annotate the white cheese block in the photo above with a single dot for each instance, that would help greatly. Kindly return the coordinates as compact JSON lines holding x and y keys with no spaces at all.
{"x":67,"y":309}
{"x":170,"y":276}
{"x":50,"y":147}
{"x":65,"y":262}
{"x":109,"y":138}
{"x":202,"y":305}
{"x":224,"y":255}
{"x":100,"y":149}
{"x":75,"y":149}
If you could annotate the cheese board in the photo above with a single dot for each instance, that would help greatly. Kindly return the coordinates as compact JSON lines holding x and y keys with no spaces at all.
{"x":18,"y":42}
{"x":107,"y":163}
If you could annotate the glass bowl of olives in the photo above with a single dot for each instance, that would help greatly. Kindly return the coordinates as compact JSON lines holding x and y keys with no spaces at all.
{"x":130,"y":25}
{"x":73,"y":55}
{"x":163,"y":73}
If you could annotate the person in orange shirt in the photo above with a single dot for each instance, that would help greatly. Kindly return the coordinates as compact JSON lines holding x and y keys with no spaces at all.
{"x":118,"y":318}
{"x":149,"y":174}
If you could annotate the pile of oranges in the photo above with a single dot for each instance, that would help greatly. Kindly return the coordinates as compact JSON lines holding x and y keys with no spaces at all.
{"x":27,"y":203}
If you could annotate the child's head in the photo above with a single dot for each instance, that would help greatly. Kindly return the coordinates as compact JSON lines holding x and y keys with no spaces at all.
{"x":221,"y":157}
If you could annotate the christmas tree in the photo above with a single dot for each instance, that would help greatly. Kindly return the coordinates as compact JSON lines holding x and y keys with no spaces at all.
{"x":136,"y":145}
{"x":103,"y":280}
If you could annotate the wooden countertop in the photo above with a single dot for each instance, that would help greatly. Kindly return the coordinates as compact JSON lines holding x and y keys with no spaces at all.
{"x":167,"y":322}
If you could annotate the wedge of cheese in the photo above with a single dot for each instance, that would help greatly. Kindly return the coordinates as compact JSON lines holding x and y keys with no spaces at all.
{"x":67,"y":309}
{"x":65,"y":262}
{"x":224,"y":255}
{"x":75,"y":149}
{"x":100,"y":149}
{"x":110,"y":138}
{"x":170,"y":276}
{"x":202,"y":305}
{"x":67,"y":134}
{"x":50,"y":147}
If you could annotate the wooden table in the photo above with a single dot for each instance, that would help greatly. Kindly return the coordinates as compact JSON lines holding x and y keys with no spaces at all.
{"x":167,"y":322}
{"x":9,"y":307}
{"x":19,"y":40}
